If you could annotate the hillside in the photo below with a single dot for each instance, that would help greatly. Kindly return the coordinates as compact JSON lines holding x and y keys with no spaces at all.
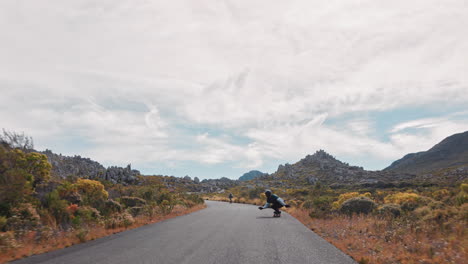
{"x":251,"y":175}
{"x":450,"y":152}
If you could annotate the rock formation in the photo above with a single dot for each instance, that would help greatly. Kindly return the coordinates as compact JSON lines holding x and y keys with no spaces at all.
{"x":77,"y":166}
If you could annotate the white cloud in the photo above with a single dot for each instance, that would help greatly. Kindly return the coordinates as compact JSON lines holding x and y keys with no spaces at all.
{"x":420,"y":123}
{"x":142,"y":80}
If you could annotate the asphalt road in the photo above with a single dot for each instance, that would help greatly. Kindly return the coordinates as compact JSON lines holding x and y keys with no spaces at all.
{"x":221,"y":233}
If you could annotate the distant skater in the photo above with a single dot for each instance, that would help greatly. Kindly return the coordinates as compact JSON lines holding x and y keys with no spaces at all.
{"x":274,"y":202}
{"x":230,"y":197}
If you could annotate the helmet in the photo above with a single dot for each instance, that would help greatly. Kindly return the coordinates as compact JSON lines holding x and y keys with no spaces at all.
{"x":267,"y":192}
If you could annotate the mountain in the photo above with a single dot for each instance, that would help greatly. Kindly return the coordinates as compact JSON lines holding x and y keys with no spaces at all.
{"x":450,"y":152}
{"x":323,"y":168}
{"x":251,"y":175}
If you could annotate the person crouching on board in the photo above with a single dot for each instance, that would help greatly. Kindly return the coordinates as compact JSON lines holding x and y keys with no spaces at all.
{"x":274,"y":202}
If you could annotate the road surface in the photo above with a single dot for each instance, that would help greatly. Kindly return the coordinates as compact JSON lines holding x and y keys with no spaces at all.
{"x":221,"y":233}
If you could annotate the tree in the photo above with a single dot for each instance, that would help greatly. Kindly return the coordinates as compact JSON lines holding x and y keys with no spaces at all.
{"x":93,"y":192}
{"x":19,"y":174}
{"x":15,"y":140}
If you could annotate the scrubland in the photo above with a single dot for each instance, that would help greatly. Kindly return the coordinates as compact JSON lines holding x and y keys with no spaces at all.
{"x":39,"y":213}
{"x":396,"y":225}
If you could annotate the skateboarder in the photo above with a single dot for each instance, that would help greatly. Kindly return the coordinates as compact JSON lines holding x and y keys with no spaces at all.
{"x":274,"y":202}
{"x":230,"y":197}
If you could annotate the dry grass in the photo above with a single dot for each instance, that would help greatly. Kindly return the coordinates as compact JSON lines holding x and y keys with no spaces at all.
{"x":370,"y":239}
{"x":29,"y":245}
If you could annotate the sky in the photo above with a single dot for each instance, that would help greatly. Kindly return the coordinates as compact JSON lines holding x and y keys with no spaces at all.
{"x":212,"y":88}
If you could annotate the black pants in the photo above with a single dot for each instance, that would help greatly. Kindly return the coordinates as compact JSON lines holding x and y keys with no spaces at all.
{"x":276,"y":207}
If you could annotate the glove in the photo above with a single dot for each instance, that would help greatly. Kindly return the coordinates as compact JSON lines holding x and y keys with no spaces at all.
{"x":287,"y":206}
{"x":261,"y":208}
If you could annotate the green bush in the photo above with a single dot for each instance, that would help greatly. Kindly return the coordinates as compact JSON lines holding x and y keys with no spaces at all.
{"x":462,"y":197}
{"x":358,"y":205}
{"x":308,"y":204}
{"x":255,"y":192}
{"x":92,"y":192}
{"x":89,"y":215}
{"x":137,"y":210}
{"x":81,"y":234}
{"x":57,"y":208}
{"x":129,"y":201}
{"x":166,"y":206}
{"x":3,"y":223}
{"x":112,"y":206}
{"x":23,"y":218}
{"x":392,"y":210}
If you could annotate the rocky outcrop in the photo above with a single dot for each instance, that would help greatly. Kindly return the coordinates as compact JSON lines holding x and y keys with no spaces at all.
{"x":77,"y":166}
{"x":322,"y":167}
{"x":121,"y":175}
{"x":195,"y":185}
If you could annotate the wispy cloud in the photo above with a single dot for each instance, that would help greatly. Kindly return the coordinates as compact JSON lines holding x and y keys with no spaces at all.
{"x":147,"y":82}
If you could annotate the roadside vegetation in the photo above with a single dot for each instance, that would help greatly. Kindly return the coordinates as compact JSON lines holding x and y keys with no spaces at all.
{"x":39,"y":213}
{"x":395,"y":225}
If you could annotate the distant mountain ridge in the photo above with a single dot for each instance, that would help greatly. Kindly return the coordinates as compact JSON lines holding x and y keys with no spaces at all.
{"x":323,"y":168}
{"x":251,"y":175}
{"x":450,"y":152}
{"x":446,"y":163}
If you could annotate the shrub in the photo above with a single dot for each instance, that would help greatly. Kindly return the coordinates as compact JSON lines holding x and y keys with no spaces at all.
{"x":150,"y":209}
{"x":358,"y":205}
{"x":57,"y":207}
{"x":255,"y":193}
{"x":440,"y":216}
{"x":462,"y":197}
{"x":393,"y":210}
{"x":129,"y":201}
{"x":112,"y":206}
{"x":72,"y":208}
{"x":93,"y":192}
{"x":89,"y":215}
{"x":3,"y":223}
{"x":319,"y":206}
{"x":464,"y":187}
{"x":81,"y":234}
{"x":38,"y":166}
{"x":307,"y":204}
{"x":166,"y":206}
{"x":135,"y":211}
{"x":24,"y":217}
{"x":7,"y":241}
{"x":441,"y":194}
{"x":407,"y":201}
{"x":346,"y":196}
{"x":195,"y":199}
{"x":119,"y":220}
{"x":463,"y":212}
{"x":422,"y":211}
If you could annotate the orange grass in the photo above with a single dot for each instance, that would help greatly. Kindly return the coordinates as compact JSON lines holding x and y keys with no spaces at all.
{"x":27,"y":246}
{"x":370,"y":239}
